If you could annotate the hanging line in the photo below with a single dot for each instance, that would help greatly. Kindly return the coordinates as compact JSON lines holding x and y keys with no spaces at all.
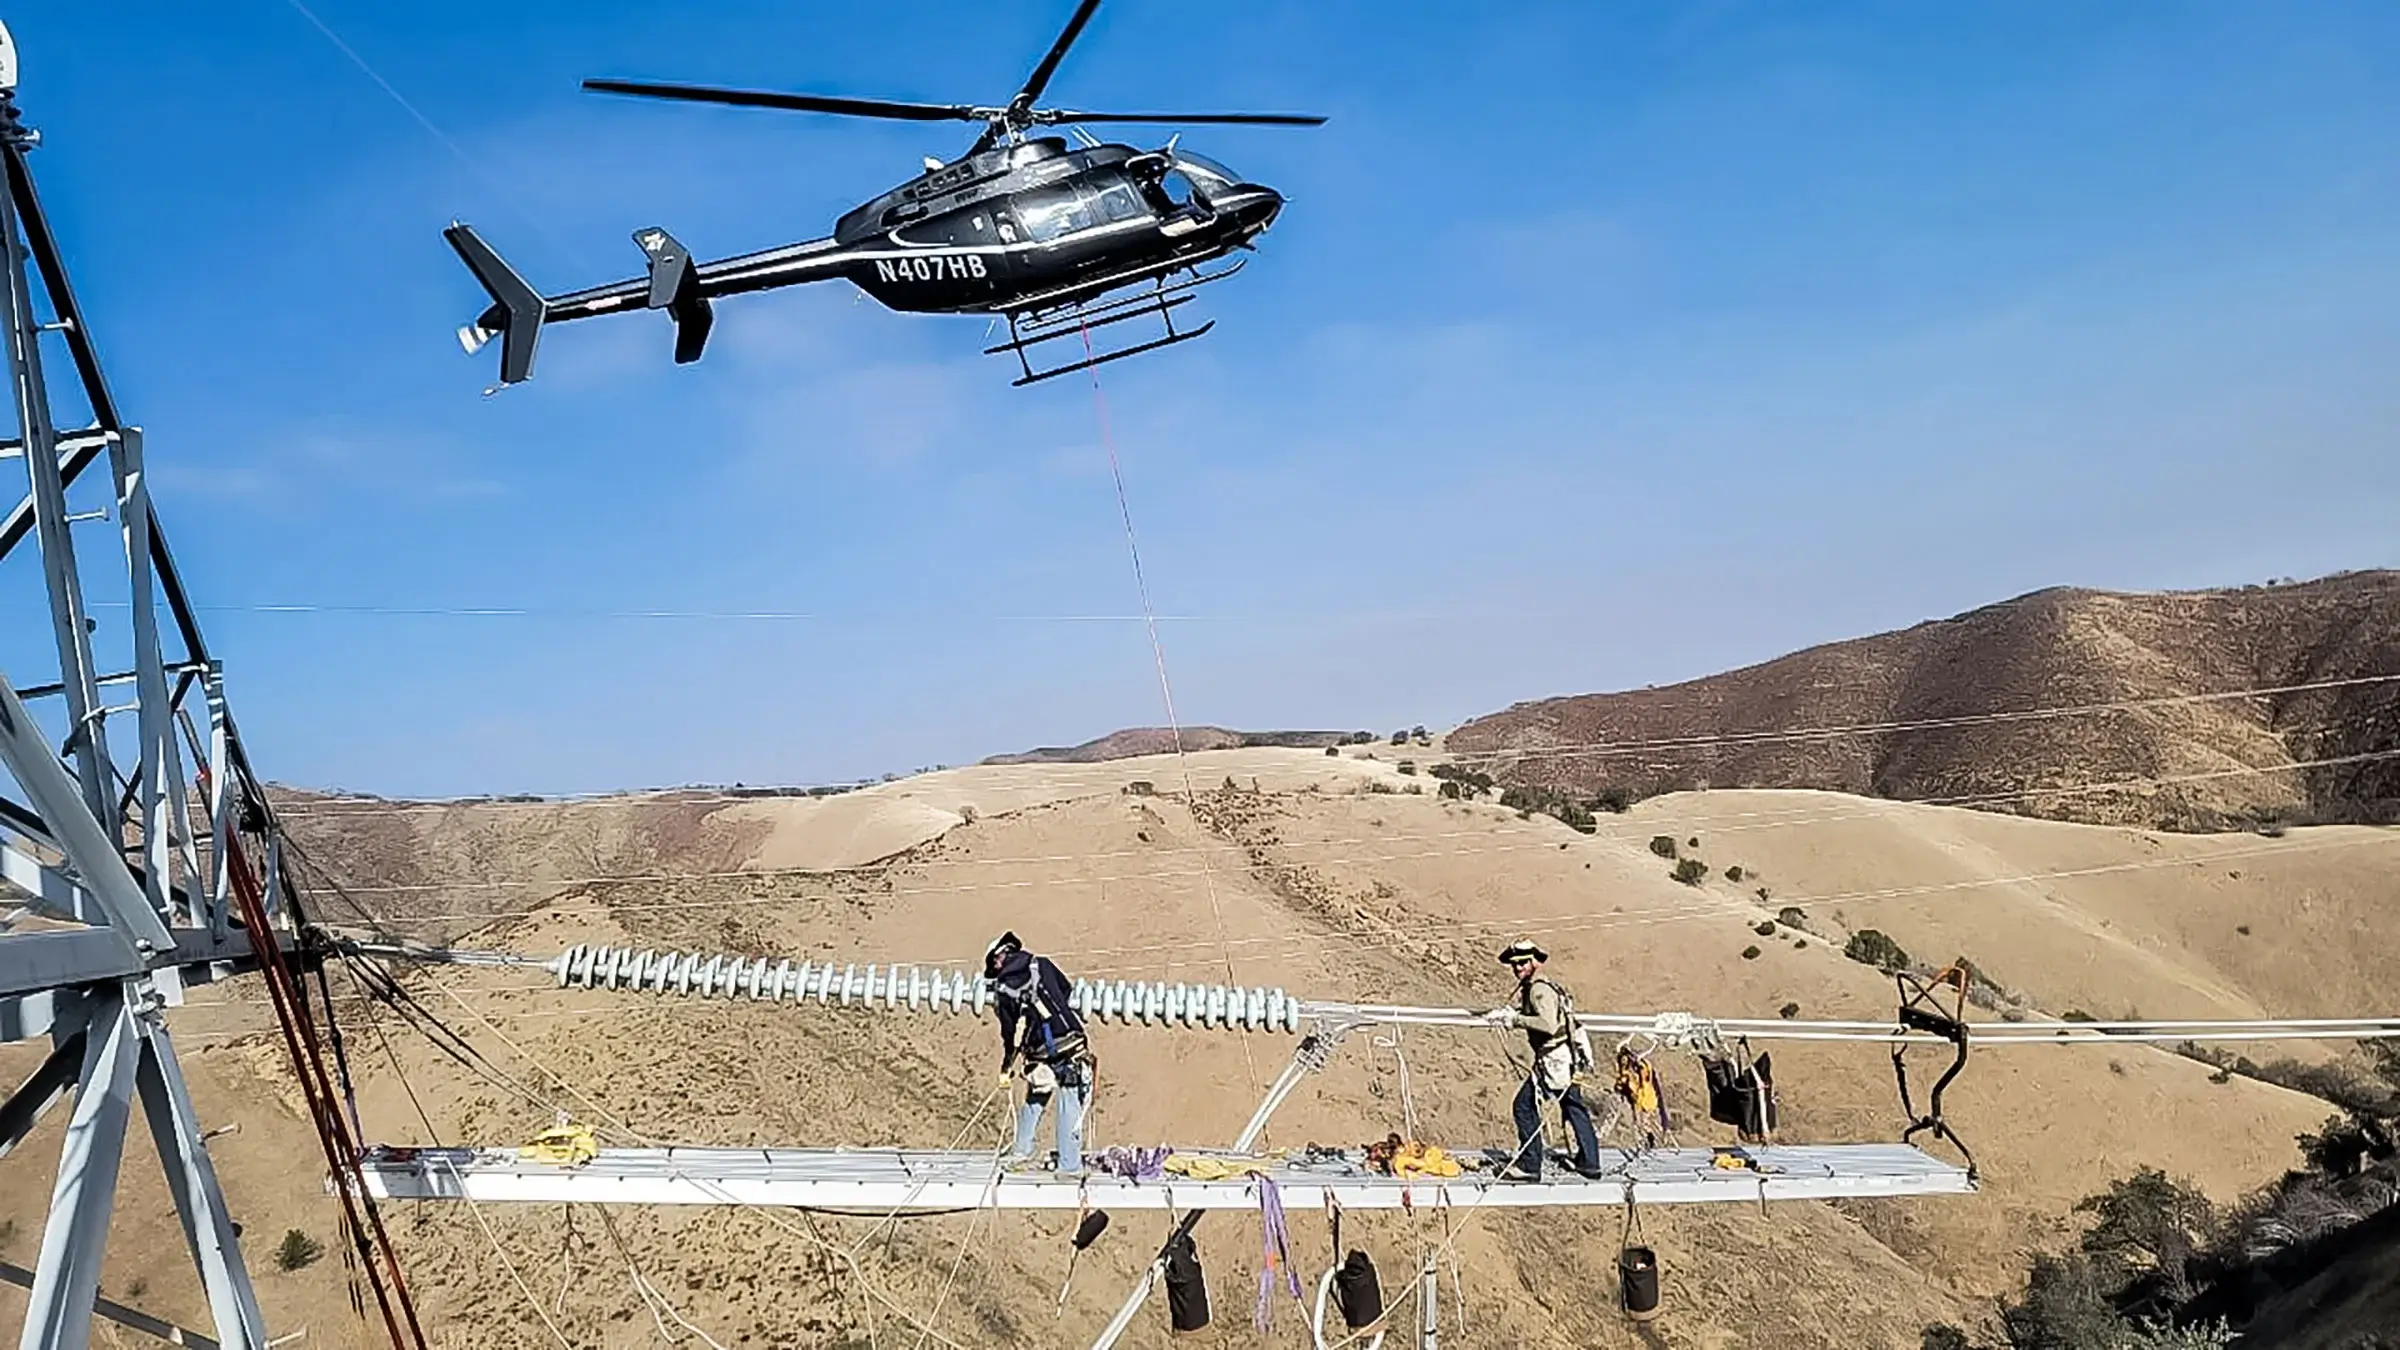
{"x":1166,"y":687}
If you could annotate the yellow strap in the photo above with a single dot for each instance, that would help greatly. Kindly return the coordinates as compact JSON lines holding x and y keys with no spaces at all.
{"x":563,"y":1145}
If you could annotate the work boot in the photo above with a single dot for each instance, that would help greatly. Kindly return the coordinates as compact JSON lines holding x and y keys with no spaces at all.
{"x":1519,"y":1172}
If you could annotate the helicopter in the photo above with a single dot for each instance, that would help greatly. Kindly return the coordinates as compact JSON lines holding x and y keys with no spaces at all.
{"x":1021,"y":226}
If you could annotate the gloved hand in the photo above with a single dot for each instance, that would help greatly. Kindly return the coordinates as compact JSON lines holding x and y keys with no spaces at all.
{"x":1503,"y":1018}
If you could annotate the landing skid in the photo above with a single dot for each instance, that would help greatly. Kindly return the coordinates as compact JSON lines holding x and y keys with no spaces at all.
{"x":1031,"y":327}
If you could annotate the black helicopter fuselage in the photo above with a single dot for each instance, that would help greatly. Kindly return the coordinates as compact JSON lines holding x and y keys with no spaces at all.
{"x":1020,"y":226}
{"x":1019,"y":230}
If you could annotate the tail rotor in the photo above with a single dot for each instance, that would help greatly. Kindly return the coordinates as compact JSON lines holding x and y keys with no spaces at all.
{"x":517,"y":309}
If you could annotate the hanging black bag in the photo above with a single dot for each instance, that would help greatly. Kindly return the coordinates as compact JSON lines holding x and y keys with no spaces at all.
{"x":1742,"y":1097}
{"x":1357,"y":1289}
{"x":1187,"y":1285}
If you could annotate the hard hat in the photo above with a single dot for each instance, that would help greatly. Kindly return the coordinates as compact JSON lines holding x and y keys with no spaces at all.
{"x":1000,"y":948}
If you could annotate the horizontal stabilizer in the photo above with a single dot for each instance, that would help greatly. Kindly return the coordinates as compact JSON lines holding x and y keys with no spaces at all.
{"x":675,"y":288}
{"x":517,"y":309}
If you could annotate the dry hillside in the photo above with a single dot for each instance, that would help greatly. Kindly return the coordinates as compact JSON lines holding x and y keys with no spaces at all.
{"x":1329,"y":875}
{"x":1821,"y":718}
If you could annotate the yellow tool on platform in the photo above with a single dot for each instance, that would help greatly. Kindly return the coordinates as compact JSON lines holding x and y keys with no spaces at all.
{"x":1413,"y":1159}
{"x":565,"y":1144}
{"x":1206,"y":1167}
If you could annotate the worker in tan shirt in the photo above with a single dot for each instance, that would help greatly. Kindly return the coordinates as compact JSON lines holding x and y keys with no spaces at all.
{"x":1545,"y":1012}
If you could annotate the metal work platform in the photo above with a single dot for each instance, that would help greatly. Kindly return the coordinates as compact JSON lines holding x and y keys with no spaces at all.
{"x":881,"y":1181}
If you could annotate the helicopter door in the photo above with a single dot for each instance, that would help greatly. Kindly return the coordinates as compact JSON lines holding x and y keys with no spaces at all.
{"x":989,"y":232}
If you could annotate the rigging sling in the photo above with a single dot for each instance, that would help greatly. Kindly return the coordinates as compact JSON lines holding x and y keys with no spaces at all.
{"x":1922,"y":1010}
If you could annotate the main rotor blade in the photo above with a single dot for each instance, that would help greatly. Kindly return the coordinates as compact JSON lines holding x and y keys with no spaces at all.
{"x":822,"y":103}
{"x":1052,"y":116}
{"x":1040,"y":78}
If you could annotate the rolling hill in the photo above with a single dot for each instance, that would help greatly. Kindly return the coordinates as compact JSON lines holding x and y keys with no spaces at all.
{"x":1959,"y":710}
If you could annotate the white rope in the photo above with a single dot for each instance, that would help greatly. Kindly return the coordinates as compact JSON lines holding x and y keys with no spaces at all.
{"x":650,"y":1295}
{"x":497,"y":1250}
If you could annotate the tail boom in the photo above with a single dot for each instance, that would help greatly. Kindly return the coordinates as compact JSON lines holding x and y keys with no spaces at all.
{"x":675,"y":284}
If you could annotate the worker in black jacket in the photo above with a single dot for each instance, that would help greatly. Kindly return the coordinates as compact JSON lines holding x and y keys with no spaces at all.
{"x":1043,"y":1034}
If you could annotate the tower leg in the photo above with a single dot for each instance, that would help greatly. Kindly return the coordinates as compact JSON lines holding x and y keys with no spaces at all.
{"x":198,"y":1200}
{"x":67,"y":1277}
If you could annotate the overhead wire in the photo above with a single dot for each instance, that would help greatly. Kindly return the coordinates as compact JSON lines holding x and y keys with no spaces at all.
{"x":566,"y":907}
{"x":621,"y":1125}
{"x":1538,"y":836}
{"x":1114,"y":770}
{"x":417,"y":114}
{"x":1392,"y":934}
{"x":1711,"y":740}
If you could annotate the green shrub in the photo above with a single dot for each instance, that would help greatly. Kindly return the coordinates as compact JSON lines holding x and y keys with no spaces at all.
{"x":2147,"y":1221}
{"x":1553,"y":803}
{"x":1663,"y":845}
{"x":1691,"y":872}
{"x":297,"y":1249}
{"x":1750,"y":953}
{"x":1734,"y":874}
{"x":1409,"y":767}
{"x":1766,"y":927}
{"x":1333,"y":752}
{"x":1615,"y":801}
{"x":1790,"y":916}
{"x":2065,"y":1307}
{"x":1870,"y":947}
{"x":1788,"y":1011}
{"x":1470,"y":782}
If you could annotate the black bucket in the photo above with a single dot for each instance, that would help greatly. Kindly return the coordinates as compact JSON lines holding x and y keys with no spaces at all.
{"x":1637,"y":1283}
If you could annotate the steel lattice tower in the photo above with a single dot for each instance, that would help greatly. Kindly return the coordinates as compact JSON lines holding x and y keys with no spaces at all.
{"x":117,"y":867}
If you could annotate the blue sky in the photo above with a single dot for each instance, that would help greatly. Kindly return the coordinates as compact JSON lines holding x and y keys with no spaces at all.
{"x":1601,"y":345}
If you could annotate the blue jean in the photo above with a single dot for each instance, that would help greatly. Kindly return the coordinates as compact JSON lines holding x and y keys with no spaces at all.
{"x":1070,"y":1097}
{"x":1528,"y":1112}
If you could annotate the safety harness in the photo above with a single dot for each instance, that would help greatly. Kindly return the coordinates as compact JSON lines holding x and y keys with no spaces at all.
{"x":1060,"y":1038}
{"x":1922,"y":1009}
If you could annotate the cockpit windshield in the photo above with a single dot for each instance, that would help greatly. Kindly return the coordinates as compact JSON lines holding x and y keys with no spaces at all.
{"x":1206,"y":174}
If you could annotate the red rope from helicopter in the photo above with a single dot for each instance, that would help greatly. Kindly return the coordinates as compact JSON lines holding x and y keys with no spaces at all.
{"x":1158,"y":656}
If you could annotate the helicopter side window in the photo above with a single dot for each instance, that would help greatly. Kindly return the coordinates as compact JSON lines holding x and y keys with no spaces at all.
{"x":1055,"y":214}
{"x":1117,"y":203}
